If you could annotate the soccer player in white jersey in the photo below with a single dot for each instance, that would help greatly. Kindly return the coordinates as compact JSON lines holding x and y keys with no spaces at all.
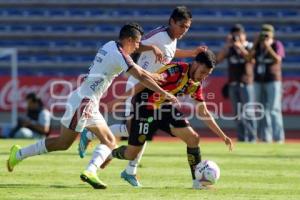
{"x":165,"y":39}
{"x":82,"y":108}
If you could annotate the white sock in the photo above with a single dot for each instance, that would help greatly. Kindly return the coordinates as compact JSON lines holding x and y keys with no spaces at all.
{"x":133,"y":164}
{"x":90,"y":135}
{"x":32,"y":150}
{"x":100,"y":154}
{"x":119,"y":130}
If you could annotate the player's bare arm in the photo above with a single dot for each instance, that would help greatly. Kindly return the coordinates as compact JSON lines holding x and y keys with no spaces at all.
{"x":184,"y":53}
{"x":146,"y":79}
{"x":211,"y":123}
{"x":157,"y":52}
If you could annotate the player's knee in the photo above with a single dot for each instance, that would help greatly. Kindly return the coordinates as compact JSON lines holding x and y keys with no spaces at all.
{"x":64,"y":146}
{"x":110,"y":142}
{"x":194,"y":140}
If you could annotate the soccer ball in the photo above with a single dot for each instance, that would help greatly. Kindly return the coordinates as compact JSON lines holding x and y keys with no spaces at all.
{"x":207,"y":172}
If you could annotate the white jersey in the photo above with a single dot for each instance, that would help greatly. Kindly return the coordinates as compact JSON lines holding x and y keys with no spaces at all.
{"x":160,"y":38}
{"x":82,"y":108}
{"x":109,"y":62}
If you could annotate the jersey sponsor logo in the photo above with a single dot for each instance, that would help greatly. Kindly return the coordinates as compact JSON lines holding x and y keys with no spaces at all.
{"x":96,"y":84}
{"x":145,"y":65}
{"x":142,"y":138}
{"x":102,"y":52}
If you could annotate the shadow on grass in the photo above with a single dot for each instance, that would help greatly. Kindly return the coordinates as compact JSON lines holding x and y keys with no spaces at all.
{"x":233,"y":155}
{"x":38,"y":186}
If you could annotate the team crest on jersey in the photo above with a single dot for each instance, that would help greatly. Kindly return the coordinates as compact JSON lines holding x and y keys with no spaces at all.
{"x":142,"y":138}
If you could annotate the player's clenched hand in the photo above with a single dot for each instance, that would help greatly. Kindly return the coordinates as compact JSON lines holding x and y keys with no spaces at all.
{"x":158,"y":78}
{"x":229,"y":143}
{"x":159,"y":55}
{"x":200,"y":49}
{"x":171,"y":98}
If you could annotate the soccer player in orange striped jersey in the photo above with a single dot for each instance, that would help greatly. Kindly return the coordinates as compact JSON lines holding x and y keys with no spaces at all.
{"x":151,"y":112}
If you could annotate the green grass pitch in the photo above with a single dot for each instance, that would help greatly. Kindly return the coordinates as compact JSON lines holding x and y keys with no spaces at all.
{"x":251,"y":171}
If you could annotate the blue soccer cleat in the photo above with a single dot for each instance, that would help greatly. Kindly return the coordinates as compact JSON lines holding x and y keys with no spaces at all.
{"x":83,"y":143}
{"x":131,"y":179}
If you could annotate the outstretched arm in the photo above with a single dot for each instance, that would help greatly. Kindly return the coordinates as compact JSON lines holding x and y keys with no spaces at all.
{"x":211,"y":123}
{"x":146,"y":79}
{"x":182,"y":53}
{"x":157,"y":52}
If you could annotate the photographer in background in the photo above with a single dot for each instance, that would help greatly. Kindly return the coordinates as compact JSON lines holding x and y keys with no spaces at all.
{"x":268,"y":54}
{"x":240,"y":81}
{"x":36,"y":123}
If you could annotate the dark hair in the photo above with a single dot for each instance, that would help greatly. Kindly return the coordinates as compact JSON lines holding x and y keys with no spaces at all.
{"x":208,"y":58}
{"x":180,"y":13}
{"x":237,"y":28}
{"x":32,"y":96}
{"x":132,"y":30}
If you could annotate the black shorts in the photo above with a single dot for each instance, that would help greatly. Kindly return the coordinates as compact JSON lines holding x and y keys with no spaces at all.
{"x":145,"y":122}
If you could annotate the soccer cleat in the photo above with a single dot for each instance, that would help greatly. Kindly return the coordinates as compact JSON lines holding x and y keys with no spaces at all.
{"x":83,"y":143}
{"x":131,"y":179}
{"x":92,"y":179}
{"x":12,"y":160}
{"x":198,"y":186}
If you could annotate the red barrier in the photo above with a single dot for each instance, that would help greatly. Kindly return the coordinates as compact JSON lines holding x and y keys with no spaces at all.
{"x":54,"y":90}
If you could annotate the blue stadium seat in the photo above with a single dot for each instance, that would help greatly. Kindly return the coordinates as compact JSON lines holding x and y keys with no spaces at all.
{"x":292,"y":59}
{"x":57,"y":12}
{"x":105,"y":27}
{"x":18,"y":28}
{"x":205,"y":28}
{"x":229,"y":13}
{"x":39,"y":43}
{"x":59,"y":28}
{"x":78,"y":12}
{"x":62,"y":43}
{"x":249,"y":13}
{"x":79,"y":28}
{"x":204,"y":12}
{"x":95,"y":12}
{"x":87,"y":43}
{"x":44,"y":58}
{"x":38,"y":28}
{"x":290,"y":13}
{"x":15,"y":12}
{"x":270,"y":13}
{"x":25,"y":58}
{"x":36,"y":12}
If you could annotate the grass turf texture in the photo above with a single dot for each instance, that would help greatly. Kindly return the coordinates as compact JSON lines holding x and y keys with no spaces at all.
{"x":252,"y":171}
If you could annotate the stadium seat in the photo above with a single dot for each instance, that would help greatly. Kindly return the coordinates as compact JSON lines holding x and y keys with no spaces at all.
{"x":71,"y":19}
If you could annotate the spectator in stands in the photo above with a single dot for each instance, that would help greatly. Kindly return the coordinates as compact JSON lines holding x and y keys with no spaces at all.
{"x":268,"y":54}
{"x":36,"y":123}
{"x":240,"y":84}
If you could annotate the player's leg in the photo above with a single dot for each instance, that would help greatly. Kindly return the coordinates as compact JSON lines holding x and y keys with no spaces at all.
{"x":100,"y":154}
{"x":192,"y":139}
{"x":45,"y":145}
{"x":132,"y":166}
{"x":140,"y":129}
{"x":129,"y":152}
{"x":118,"y":130}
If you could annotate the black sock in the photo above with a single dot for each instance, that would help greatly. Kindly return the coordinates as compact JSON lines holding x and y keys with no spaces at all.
{"x":119,"y":152}
{"x":194,"y":157}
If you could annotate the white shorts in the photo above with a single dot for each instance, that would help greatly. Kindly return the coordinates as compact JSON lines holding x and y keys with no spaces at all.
{"x":80,"y":113}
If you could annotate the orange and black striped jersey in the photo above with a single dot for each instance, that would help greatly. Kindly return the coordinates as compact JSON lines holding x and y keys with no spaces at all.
{"x":177,"y":82}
